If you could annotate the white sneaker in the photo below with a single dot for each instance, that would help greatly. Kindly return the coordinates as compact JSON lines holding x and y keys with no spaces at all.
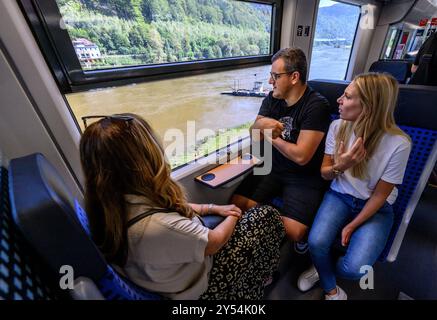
{"x":308,"y":279}
{"x":340,"y":295}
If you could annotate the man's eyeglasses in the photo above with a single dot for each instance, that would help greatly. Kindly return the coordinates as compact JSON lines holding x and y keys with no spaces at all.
{"x":275,"y":76}
{"x":115,"y":117}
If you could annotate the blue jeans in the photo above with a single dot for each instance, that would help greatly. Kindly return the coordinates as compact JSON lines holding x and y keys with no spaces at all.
{"x":365,"y":244}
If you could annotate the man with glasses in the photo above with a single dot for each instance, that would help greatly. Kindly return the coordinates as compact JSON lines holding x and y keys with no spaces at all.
{"x":299,"y":119}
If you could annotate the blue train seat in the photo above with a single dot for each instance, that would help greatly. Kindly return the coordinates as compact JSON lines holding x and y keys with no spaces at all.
{"x":400,"y":69}
{"x":20,"y":271}
{"x":412,"y":114}
{"x":55,"y":226}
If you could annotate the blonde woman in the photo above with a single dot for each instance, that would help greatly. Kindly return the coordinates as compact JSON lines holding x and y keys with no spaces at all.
{"x":365,"y":157}
{"x":142,"y":223}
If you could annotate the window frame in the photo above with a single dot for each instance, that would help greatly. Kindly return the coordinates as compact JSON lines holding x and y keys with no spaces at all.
{"x":43,"y":17}
{"x":355,"y":36}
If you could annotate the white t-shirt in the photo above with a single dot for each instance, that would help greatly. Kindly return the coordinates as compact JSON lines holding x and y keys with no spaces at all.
{"x":388,"y":163}
{"x":167,"y":252}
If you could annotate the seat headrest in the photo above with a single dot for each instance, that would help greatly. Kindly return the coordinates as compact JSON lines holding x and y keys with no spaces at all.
{"x":331,"y":90}
{"x":43,"y":208}
{"x":414,"y":106}
{"x":399,"y":69}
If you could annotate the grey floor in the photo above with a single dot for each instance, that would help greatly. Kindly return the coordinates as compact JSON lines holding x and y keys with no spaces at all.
{"x":413,"y":275}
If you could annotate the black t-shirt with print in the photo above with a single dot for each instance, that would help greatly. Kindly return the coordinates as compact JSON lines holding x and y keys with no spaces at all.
{"x":311,"y":112}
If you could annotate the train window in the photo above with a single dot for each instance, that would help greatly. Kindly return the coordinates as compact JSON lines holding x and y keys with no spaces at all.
{"x":167,"y":60}
{"x":191,"y":115}
{"x":112,"y":34}
{"x":88,"y":42}
{"x":334,"y":36}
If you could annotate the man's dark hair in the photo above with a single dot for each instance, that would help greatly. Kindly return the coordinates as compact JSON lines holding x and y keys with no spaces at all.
{"x":295,"y":60}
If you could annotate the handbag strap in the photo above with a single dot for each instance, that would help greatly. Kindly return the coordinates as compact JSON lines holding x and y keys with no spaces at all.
{"x":143,"y":215}
{"x":149,"y":212}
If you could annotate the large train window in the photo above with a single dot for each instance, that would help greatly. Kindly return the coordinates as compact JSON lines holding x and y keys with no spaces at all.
{"x":167,"y":60}
{"x":334,"y":36}
{"x":190,"y":114}
{"x":119,"y":33}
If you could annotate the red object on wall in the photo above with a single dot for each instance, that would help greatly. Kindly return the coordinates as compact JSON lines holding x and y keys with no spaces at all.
{"x":423,"y":22}
{"x":434,"y":22}
{"x":404,"y":37}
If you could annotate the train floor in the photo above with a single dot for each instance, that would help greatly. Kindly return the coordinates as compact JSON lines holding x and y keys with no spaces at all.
{"x":412,"y":276}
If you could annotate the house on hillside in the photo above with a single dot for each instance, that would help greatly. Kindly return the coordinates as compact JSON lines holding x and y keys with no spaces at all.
{"x":87,"y":52}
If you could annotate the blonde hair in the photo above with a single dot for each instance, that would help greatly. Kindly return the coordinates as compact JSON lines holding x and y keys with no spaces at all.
{"x":122,"y":157}
{"x":377,"y":93}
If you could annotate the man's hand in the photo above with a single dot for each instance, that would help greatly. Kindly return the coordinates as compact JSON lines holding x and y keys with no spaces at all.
{"x":272,"y":124}
{"x":414,"y":68}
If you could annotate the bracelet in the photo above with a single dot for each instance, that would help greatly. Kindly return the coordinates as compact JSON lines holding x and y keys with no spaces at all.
{"x":210,"y":207}
{"x":337,"y":172}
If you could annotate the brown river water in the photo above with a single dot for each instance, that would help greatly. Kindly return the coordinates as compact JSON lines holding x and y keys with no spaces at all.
{"x":171,"y":103}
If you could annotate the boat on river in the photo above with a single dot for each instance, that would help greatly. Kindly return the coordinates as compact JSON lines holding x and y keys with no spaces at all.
{"x":256,"y":91}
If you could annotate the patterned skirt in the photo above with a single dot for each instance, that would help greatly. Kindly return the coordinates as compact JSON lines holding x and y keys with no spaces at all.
{"x":242,"y":267}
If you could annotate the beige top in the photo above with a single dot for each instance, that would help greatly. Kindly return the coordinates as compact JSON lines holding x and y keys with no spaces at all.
{"x":167,"y":252}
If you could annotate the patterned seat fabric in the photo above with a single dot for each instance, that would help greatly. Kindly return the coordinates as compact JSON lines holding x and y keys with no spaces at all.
{"x":115,"y":287}
{"x":19,"y":279}
{"x":423,"y":141}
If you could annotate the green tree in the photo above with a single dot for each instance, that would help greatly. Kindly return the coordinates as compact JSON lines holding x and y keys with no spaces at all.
{"x":177,"y":9}
{"x":155,"y":10}
{"x":159,"y":31}
{"x":135,"y":37}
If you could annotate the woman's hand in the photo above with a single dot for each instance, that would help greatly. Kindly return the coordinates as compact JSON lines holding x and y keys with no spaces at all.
{"x":346,"y":160}
{"x":346,"y":234}
{"x":226,"y":210}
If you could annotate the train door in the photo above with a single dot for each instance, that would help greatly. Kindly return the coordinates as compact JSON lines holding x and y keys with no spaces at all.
{"x":405,"y":36}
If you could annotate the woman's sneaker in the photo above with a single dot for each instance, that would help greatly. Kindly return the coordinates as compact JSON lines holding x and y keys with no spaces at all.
{"x":340,"y":295}
{"x":308,"y":279}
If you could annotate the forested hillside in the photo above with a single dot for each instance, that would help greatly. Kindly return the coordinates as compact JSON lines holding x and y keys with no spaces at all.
{"x":159,"y":31}
{"x":334,"y":22}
